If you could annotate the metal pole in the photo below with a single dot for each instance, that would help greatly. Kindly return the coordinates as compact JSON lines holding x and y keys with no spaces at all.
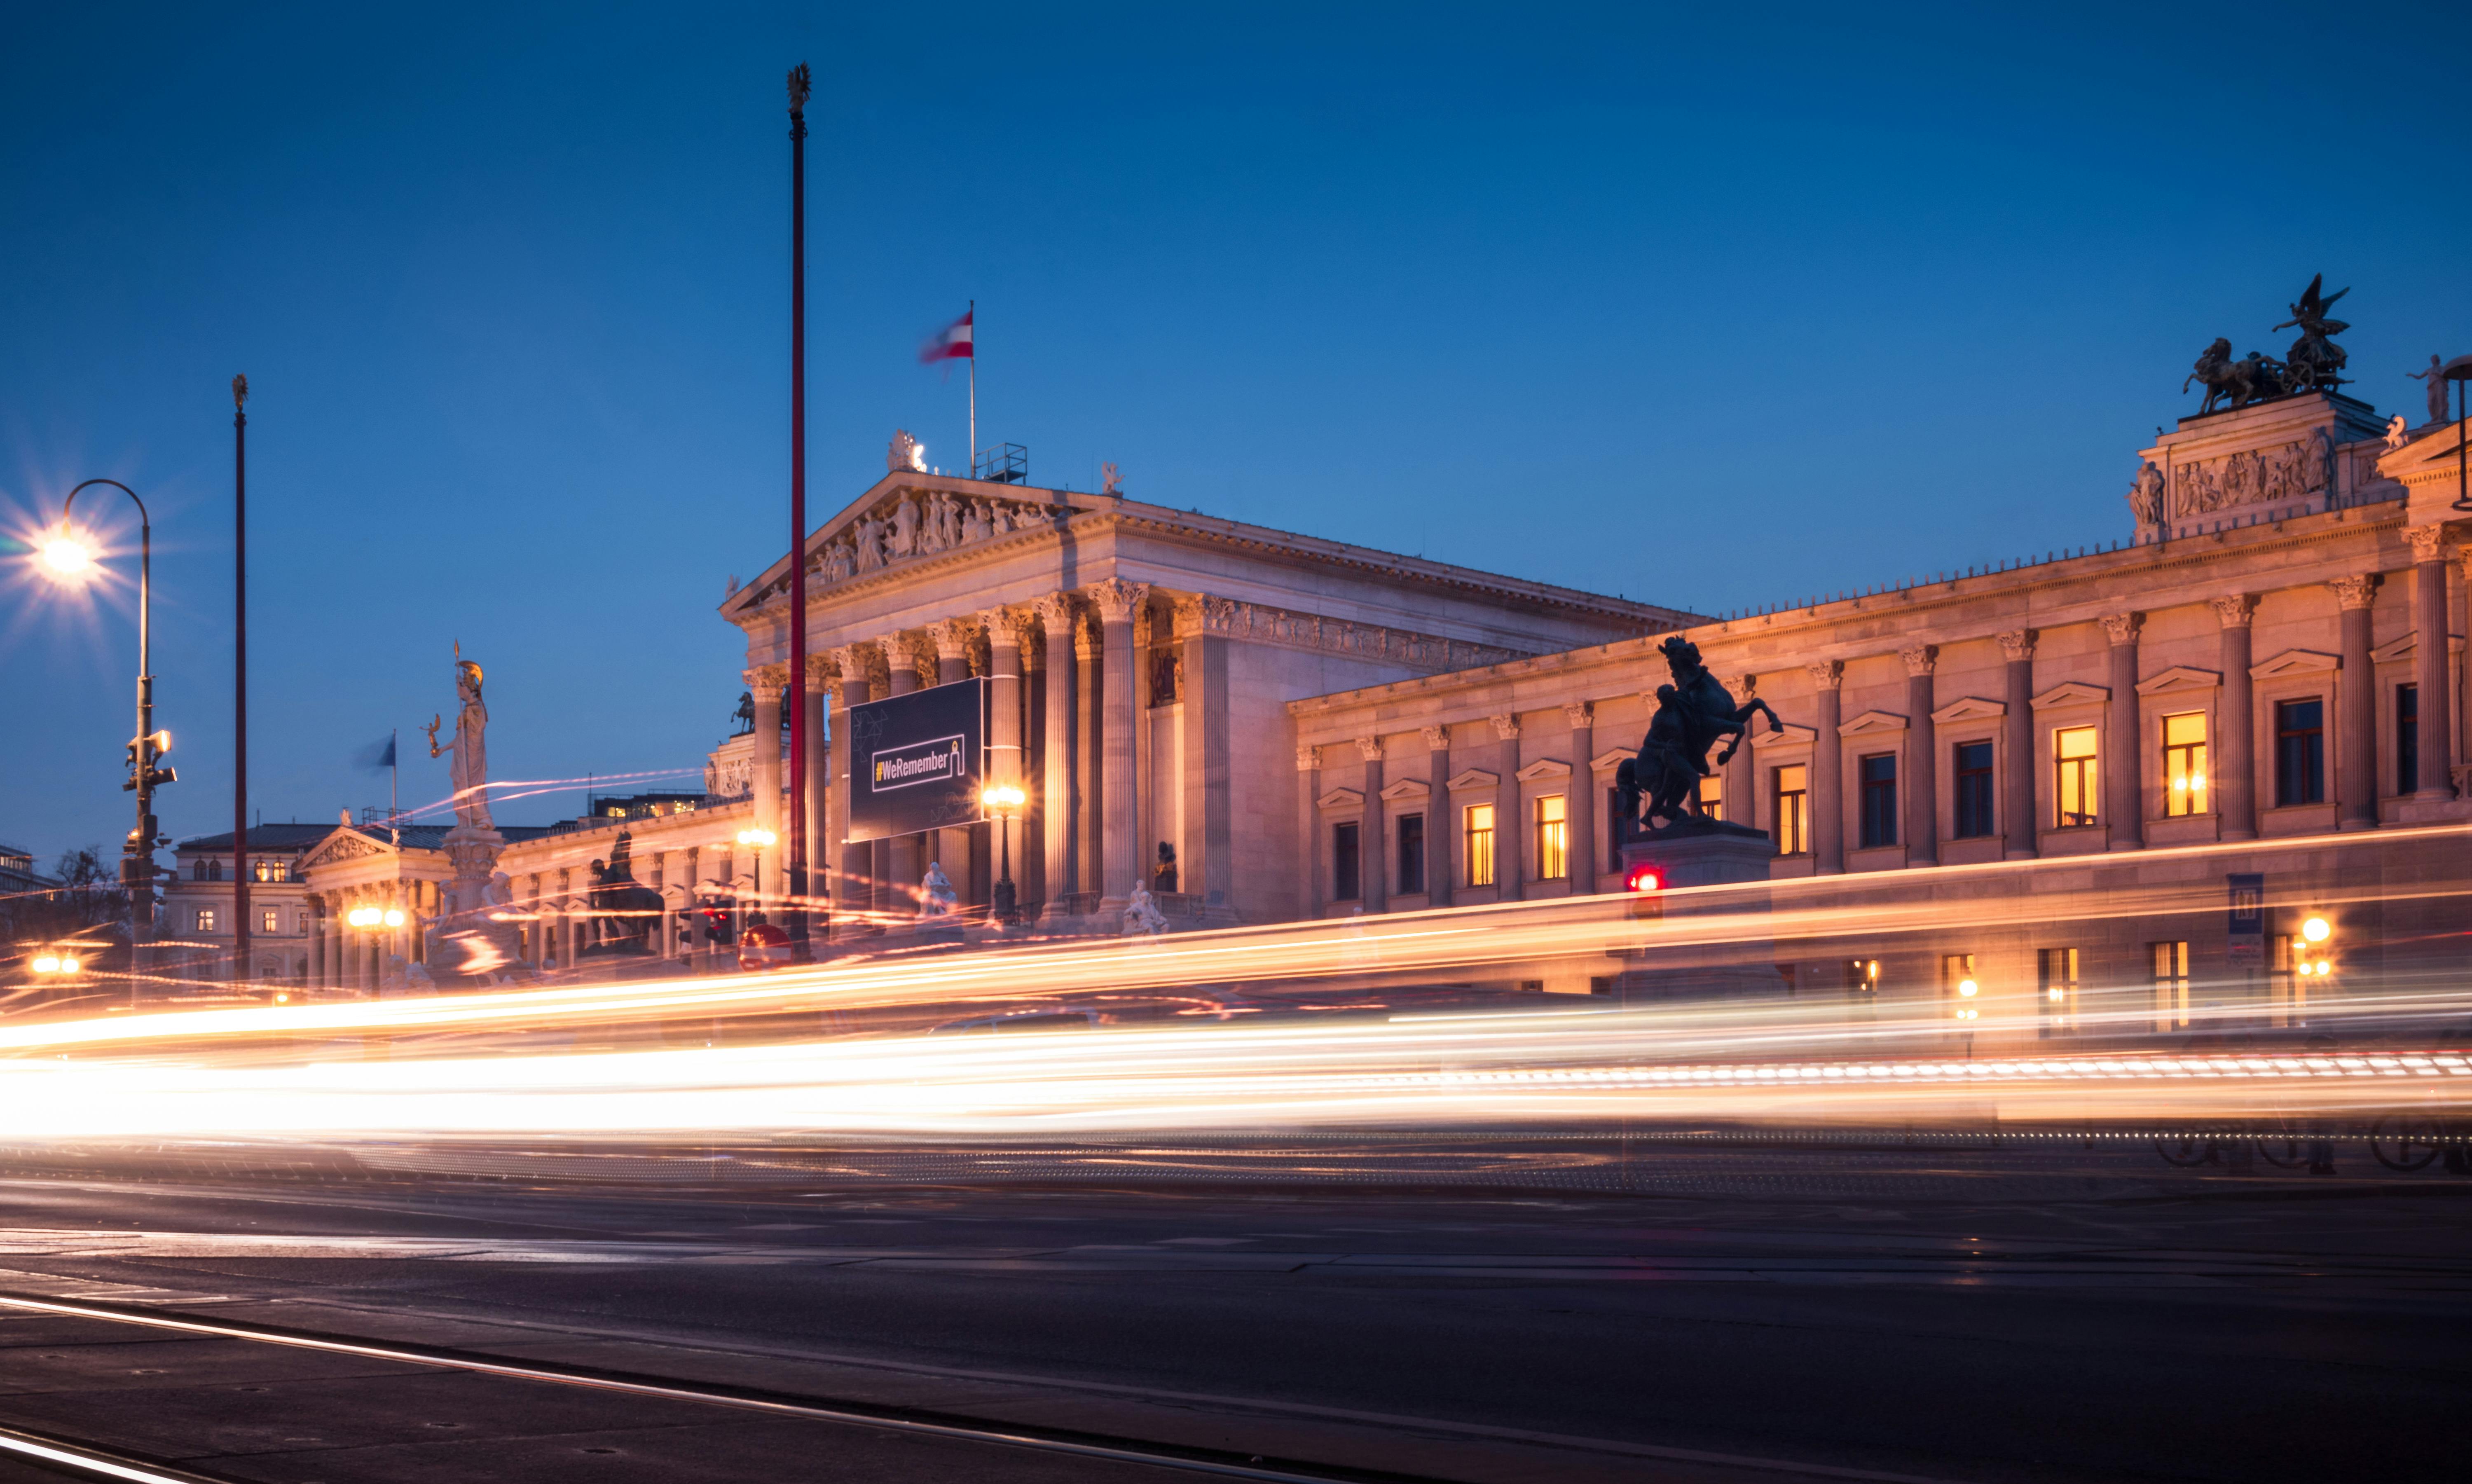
{"x":796,"y":860}
{"x":240,"y":682}
{"x":137,"y":852}
{"x":973,"y":470}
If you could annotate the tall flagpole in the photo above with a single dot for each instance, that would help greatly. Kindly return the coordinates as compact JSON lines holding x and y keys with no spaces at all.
{"x":796,"y":857}
{"x":974,"y":388}
{"x":240,"y":682}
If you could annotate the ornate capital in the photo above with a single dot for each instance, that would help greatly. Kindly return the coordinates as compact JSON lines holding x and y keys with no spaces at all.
{"x":2234,"y":609}
{"x":1055,"y":611}
{"x":1827,"y":674}
{"x":1437,"y":739}
{"x":1308,"y":758}
{"x":951,"y":637}
{"x":822,"y":671}
{"x":1007,"y":628}
{"x":2122,"y":628}
{"x":766,"y":678}
{"x":1085,"y":637}
{"x":1581,"y":714}
{"x":1920,"y":658}
{"x":2428,"y":542}
{"x":1506,"y":727}
{"x":1370,"y":747}
{"x":2019,"y":643}
{"x":1116,"y":599}
{"x":2355,"y":590}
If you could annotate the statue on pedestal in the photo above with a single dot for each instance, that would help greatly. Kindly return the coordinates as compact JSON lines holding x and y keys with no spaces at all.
{"x":2435,"y":380}
{"x":1691,"y":714}
{"x":2315,"y":362}
{"x":470,"y":769}
{"x":936,"y":894}
{"x":472,"y":942}
{"x":1142,"y":916}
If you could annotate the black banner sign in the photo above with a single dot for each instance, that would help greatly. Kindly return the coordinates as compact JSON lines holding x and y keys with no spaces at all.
{"x":916,"y":761}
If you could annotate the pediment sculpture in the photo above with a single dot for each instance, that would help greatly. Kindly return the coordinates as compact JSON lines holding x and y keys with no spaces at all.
{"x":914,"y":524}
{"x":2314,"y":363}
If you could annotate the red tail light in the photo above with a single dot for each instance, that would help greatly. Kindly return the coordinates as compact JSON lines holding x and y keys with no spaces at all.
{"x":1643,"y":878}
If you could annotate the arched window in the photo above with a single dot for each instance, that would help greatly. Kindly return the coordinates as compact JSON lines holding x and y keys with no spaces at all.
{"x":215,"y":868}
{"x":197,"y":871}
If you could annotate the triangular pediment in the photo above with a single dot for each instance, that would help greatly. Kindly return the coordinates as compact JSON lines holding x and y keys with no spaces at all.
{"x":1343,"y":798}
{"x":2408,"y":645}
{"x":907,"y":517}
{"x":1474,"y":777}
{"x":1795,"y":734}
{"x":1544,"y":768}
{"x":1406,"y":789}
{"x":2072,"y":693}
{"x":1871,"y":721}
{"x":345,"y":844}
{"x":2181,"y":676}
{"x":1970,"y":709}
{"x":1609,"y":759}
{"x":2295,"y":661}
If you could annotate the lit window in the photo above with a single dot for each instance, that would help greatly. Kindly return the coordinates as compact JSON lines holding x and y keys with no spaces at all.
{"x":2184,"y":764}
{"x":271,"y":920}
{"x":1879,"y":799}
{"x":1552,"y":838}
{"x":2079,"y":776}
{"x":1712,"y":796}
{"x":206,"y":920}
{"x":1973,"y":776}
{"x":1792,"y":798}
{"x":1476,"y":851}
{"x":2170,"y":985}
{"x":2056,"y":990}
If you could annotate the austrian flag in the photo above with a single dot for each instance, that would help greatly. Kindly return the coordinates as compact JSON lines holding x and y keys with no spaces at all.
{"x":952,"y":344}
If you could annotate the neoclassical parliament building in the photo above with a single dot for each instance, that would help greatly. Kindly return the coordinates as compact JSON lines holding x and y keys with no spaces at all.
{"x":2266,"y":661}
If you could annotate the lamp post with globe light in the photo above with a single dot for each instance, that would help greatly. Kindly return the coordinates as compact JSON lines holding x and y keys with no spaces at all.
{"x":70,"y":557}
{"x":1004,"y":801}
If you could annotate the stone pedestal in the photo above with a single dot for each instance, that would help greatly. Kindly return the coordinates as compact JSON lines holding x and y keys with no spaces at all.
{"x":1739,"y":959}
{"x":467,"y":946}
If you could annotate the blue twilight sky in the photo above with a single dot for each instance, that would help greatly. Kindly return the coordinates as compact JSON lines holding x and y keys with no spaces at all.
{"x":1873,"y":290}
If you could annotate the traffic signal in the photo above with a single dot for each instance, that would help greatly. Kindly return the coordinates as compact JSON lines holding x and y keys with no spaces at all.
{"x":1645,"y":883}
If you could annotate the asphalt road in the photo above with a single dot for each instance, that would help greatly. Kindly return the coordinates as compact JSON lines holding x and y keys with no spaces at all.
{"x":1933,"y":1314}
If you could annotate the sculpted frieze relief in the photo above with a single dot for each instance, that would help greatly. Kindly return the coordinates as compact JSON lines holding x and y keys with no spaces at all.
{"x":2253,"y":476}
{"x":920,"y":523}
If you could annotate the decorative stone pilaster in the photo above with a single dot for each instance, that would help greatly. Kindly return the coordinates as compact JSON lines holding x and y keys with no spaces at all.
{"x":1742,"y":777}
{"x":1922,"y":788}
{"x":1310,"y":892}
{"x":853,"y":885}
{"x":1580,"y":807}
{"x":2232,"y":757}
{"x":2123,"y":770}
{"x":1373,"y":857}
{"x":2356,"y":690}
{"x":1827,"y":768}
{"x":2436,"y":712}
{"x":1441,"y":823}
{"x":1510,"y":825}
{"x":1058,"y":811}
{"x":764,"y":684}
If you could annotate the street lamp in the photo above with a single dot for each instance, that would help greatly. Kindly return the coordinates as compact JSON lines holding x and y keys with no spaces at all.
{"x":756,"y":837}
{"x":70,"y":557}
{"x":56,"y":964}
{"x":374,"y":916}
{"x":1004,"y":801}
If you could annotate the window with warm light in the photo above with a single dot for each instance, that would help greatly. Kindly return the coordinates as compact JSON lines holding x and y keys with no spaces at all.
{"x":2079,"y":776}
{"x":1476,"y":841}
{"x":1712,"y":794}
{"x":2056,"y":990}
{"x":2184,"y":764}
{"x":206,"y":920}
{"x":271,"y":920}
{"x":1552,"y":838}
{"x":2170,"y":985}
{"x":1791,"y":793}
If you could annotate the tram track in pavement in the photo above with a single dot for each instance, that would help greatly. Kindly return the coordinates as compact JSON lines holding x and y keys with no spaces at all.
{"x":1080,"y":1453}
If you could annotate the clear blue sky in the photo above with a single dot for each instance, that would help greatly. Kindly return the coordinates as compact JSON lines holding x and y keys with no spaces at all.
{"x":1842,"y":294}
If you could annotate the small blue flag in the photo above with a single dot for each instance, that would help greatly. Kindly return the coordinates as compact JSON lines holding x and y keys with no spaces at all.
{"x":378,"y":756}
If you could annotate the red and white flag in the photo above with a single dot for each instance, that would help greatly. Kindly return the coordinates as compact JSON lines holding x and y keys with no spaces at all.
{"x":951,"y":344}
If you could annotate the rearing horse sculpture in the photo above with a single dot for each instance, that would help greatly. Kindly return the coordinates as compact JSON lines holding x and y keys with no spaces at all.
{"x":1692,"y":713}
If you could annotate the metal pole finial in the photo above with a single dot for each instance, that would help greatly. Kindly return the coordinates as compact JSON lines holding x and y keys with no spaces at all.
{"x":800,"y":82}
{"x":240,"y":391}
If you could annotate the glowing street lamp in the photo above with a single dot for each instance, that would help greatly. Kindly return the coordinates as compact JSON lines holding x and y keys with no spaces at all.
{"x":1005,"y":801}
{"x":69,"y":556}
{"x":374,"y":916}
{"x":756,"y":837}
{"x":1967,"y":989}
{"x":56,"y":964}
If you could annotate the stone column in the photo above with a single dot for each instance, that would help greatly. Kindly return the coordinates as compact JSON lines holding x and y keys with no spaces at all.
{"x":2356,"y":690}
{"x":2018,"y":821}
{"x":1120,"y":816}
{"x":1579,"y":808}
{"x":2436,"y":743}
{"x":1923,"y":786}
{"x":2124,"y":771}
{"x":1372,"y":858}
{"x":1827,"y":768}
{"x":853,"y":875}
{"x":1005,"y":629}
{"x":689,"y":880}
{"x":1509,"y":821}
{"x":2231,"y":758}
{"x":764,"y":683}
{"x":819,"y":774}
{"x":1089,"y":748}
{"x":1442,"y":817}
{"x":1309,"y":889}
{"x":1742,"y":777}
{"x":905,"y":861}
{"x":1209,"y":869}
{"x":1058,"y":809}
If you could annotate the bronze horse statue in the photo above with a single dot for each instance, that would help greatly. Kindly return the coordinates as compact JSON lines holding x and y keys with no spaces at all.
{"x":1691,"y":714}
{"x":2252,"y":379}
